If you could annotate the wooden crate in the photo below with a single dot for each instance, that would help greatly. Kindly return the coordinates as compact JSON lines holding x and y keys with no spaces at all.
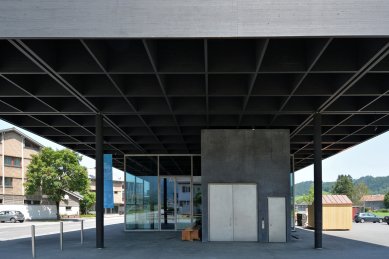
{"x":190,"y":234}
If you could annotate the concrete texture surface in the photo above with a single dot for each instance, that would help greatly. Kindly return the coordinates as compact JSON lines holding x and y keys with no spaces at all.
{"x":120,"y":244}
{"x":247,"y":156}
{"x":192,"y":18}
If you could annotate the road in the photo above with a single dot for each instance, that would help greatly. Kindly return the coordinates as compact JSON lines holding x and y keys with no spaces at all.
{"x":11,"y":231}
{"x":373,"y":233}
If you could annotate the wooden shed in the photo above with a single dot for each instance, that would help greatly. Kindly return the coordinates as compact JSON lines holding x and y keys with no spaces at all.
{"x":337,"y":213}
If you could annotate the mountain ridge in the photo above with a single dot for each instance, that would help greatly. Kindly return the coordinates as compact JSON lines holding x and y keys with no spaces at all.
{"x":376,"y":185}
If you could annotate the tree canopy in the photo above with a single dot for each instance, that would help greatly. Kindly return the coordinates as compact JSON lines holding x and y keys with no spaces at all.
{"x":360,"y":189}
{"x":386,"y":200}
{"x":309,"y":198}
{"x":51,"y":172}
{"x":87,"y":202}
{"x":344,"y":185}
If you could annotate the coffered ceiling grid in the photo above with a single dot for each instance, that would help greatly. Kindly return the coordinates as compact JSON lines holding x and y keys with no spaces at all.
{"x":157,"y":94}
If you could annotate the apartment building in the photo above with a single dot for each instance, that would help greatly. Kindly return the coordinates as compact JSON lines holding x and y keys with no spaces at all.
{"x":118,"y":192}
{"x":16,"y":150}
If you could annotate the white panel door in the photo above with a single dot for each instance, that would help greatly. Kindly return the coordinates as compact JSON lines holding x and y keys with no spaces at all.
{"x":220,"y":212}
{"x":277,"y":219}
{"x":245,"y":212}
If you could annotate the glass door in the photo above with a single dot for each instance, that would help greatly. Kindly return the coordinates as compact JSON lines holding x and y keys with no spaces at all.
{"x":183,"y":202}
{"x":168,"y":202}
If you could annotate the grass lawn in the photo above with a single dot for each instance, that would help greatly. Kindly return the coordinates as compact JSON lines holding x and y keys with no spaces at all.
{"x":88,"y":216}
{"x":381,"y":214}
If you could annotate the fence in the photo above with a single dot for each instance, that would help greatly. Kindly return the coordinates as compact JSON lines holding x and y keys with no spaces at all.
{"x":33,"y":212}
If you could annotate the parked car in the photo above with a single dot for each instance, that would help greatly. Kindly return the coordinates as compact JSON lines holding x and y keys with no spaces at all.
{"x":367,"y":217}
{"x":386,"y":219}
{"x":12,"y":216}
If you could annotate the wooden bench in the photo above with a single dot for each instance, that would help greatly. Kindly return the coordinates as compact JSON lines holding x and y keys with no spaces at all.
{"x":190,"y":234}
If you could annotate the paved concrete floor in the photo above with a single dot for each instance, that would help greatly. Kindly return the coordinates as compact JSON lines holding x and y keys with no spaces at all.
{"x":120,"y":244}
{"x":10,"y":231}
{"x":374,"y":233}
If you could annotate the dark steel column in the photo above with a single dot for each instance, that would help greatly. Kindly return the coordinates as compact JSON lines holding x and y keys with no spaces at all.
{"x":165,"y":201}
{"x":292,"y":193}
{"x":318,"y":182}
{"x":99,"y":183}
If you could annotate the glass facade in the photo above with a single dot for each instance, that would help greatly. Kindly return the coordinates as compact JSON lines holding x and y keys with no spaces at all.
{"x":159,"y":193}
{"x":141,"y":202}
{"x":141,"y":192}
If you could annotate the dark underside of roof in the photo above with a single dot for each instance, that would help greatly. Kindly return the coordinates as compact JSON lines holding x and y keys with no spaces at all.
{"x":156,"y":95}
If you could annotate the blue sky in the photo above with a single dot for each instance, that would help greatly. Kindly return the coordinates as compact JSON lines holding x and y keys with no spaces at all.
{"x":86,"y":161}
{"x":368,"y":158}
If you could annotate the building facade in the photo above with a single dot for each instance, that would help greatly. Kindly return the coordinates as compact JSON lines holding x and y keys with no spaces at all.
{"x":118,"y":195}
{"x":16,"y":150}
{"x":373,"y":202}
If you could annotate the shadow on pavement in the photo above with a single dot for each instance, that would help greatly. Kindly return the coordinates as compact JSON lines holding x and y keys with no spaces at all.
{"x":120,"y":244}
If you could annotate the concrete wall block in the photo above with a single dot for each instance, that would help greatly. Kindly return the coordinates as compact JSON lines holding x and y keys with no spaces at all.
{"x":247,"y":156}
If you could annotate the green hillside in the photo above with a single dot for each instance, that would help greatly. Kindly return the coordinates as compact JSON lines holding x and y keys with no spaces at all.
{"x":376,"y":185}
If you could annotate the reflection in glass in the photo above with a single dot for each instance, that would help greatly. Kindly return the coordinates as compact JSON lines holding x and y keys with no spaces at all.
{"x":183,"y":202}
{"x":164,"y":202}
{"x":197,"y":210}
{"x":141,"y":202}
{"x":167,"y":203}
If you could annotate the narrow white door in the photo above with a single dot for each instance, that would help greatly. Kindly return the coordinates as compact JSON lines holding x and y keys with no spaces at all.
{"x":245,"y":212}
{"x":277,"y":219}
{"x":220,"y":212}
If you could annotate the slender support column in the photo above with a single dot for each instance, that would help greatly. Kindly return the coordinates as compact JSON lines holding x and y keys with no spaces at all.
{"x":292,"y":183}
{"x":318,"y":208}
{"x":165,"y":200}
{"x":22,"y":164}
{"x":99,"y":183}
{"x":2,"y":164}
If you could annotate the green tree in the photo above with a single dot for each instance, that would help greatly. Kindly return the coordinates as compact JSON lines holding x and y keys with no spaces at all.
{"x":87,"y":202}
{"x":386,"y":200}
{"x":308,"y":198}
{"x":51,"y":172}
{"x":344,"y":185}
{"x":359,"y":190}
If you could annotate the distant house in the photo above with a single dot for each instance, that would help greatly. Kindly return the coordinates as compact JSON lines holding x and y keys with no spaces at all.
{"x":70,"y":205}
{"x":373,"y":202}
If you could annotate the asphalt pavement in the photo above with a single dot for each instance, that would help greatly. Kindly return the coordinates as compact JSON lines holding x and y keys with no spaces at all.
{"x":12,"y":231}
{"x":374,"y":233}
{"x":357,"y":243}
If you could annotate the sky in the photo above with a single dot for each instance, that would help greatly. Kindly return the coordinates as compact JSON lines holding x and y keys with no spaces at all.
{"x":88,"y":162}
{"x":368,"y":158}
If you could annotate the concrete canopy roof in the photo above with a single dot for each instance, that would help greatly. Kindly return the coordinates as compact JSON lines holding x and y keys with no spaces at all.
{"x":157,"y":94}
